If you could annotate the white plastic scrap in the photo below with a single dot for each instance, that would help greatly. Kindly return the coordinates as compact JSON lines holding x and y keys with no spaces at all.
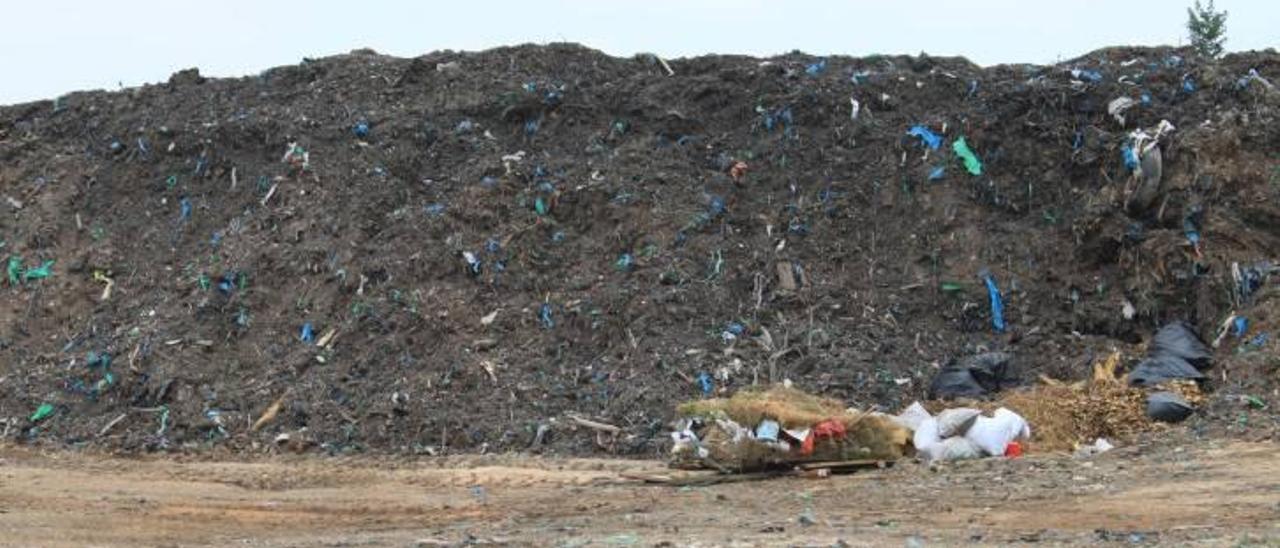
{"x":854,"y":108}
{"x":1144,"y":142}
{"x":685,"y":441}
{"x":993,"y":434}
{"x":1098,"y":447}
{"x":1117,"y":107}
{"x":962,"y":433}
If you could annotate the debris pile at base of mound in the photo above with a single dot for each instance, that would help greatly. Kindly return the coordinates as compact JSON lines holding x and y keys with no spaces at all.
{"x":761,"y":428}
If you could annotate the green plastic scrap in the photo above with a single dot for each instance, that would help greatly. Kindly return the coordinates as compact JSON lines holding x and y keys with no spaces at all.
{"x":971,"y":161}
{"x":15,"y":269}
{"x":43,"y":271}
{"x":42,"y":412}
{"x":951,"y":287}
{"x":1255,"y":402}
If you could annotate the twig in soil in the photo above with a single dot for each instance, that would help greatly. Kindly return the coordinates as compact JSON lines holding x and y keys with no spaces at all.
{"x":580,"y":421}
{"x":664,"y":64}
{"x":268,"y":415}
{"x":269,"y":193}
{"x":111,"y":424}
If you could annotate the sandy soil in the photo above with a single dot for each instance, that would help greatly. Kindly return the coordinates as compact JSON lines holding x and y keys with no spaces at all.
{"x":1166,"y":493}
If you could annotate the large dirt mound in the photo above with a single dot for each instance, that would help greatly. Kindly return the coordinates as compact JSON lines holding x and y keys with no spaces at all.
{"x":490,"y":242}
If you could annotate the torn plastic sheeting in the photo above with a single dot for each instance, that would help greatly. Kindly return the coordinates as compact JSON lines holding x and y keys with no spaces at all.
{"x":768,"y":430}
{"x":43,"y":271}
{"x":1156,"y":370}
{"x":974,"y":376}
{"x":1086,"y":75}
{"x":15,"y":270}
{"x":308,"y":333}
{"x":544,"y":316}
{"x":704,"y":382}
{"x":971,"y":162}
{"x":1179,"y":341}
{"x":817,"y":68}
{"x":1130,"y":157}
{"x":997,"y":302}
{"x":927,"y":136}
{"x":42,"y":412}
{"x":937,"y":173}
{"x":1117,"y":107}
{"x":1239,"y":326}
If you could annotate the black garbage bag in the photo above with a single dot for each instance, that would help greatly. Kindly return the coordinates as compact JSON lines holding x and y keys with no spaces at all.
{"x":1180,"y":341}
{"x":1157,"y":369}
{"x":974,"y":376}
{"x":1168,"y":407}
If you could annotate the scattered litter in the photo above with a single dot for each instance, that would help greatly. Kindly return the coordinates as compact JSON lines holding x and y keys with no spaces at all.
{"x":1098,"y":447}
{"x":927,"y":136}
{"x":937,"y":173}
{"x":787,"y":428}
{"x":971,"y":162}
{"x":361,"y":129}
{"x":1117,"y":107}
{"x":1086,"y":75}
{"x":997,"y":301}
{"x":974,"y":376}
{"x":43,"y":412}
{"x":308,"y":333}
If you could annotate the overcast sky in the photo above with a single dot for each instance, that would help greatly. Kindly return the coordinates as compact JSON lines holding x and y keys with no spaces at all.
{"x":51,"y":47}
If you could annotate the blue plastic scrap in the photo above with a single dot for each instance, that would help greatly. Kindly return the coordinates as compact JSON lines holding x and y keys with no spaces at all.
{"x":704,"y":381}
{"x":927,"y":136}
{"x":308,"y":333}
{"x":227,"y":283}
{"x":434,"y":210}
{"x":1078,"y":143}
{"x":1239,"y":326}
{"x":544,"y":316}
{"x":1085,"y":74}
{"x":716,"y":206}
{"x":361,"y":129}
{"x":1188,"y":83}
{"x":937,"y":173}
{"x":767,"y":430}
{"x":185,"y":204}
{"x":817,"y":68}
{"x":1130,"y":157}
{"x":973,"y":89}
{"x":997,"y":302}
{"x":1259,"y":340}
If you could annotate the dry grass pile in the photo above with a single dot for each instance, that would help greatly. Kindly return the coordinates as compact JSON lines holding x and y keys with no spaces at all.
{"x":792,"y":408}
{"x":1064,"y":416}
{"x":867,"y":436}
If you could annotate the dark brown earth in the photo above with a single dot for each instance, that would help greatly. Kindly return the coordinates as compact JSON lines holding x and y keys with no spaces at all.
{"x":619,"y":159}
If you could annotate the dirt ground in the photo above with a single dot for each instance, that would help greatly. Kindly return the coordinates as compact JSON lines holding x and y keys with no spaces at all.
{"x":1168,"y":491}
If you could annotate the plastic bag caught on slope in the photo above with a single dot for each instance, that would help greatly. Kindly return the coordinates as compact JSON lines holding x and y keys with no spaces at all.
{"x":1179,"y":341}
{"x":974,"y":376}
{"x":1159,"y":369}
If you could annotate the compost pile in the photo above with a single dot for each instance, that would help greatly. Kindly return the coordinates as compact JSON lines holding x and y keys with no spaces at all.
{"x":459,"y":251}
